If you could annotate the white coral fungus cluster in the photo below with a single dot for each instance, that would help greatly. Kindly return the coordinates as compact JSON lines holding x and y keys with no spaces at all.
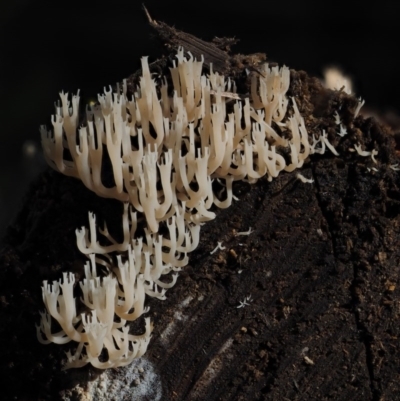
{"x":165,"y":151}
{"x":99,"y":329}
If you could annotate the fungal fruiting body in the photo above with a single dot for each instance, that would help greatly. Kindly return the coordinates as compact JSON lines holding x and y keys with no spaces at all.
{"x":106,"y":298}
{"x":166,"y":152}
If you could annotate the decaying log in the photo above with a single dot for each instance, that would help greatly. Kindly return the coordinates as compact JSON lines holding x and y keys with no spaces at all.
{"x":306,"y":307}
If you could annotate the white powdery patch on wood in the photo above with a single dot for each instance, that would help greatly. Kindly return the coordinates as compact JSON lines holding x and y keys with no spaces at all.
{"x":139,"y":381}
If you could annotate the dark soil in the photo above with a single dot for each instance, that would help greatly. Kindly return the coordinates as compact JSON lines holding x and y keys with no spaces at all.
{"x":320,"y":273}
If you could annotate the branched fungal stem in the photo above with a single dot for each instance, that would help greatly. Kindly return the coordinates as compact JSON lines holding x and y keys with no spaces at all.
{"x":304,"y":179}
{"x":219,"y":246}
{"x":248,"y":232}
{"x":246,"y":302}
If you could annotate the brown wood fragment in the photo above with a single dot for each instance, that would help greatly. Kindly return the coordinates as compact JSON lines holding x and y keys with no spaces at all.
{"x":216,"y":52}
{"x":173,"y":39}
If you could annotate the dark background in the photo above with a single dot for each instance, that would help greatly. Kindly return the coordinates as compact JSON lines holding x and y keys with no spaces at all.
{"x":49,"y":46}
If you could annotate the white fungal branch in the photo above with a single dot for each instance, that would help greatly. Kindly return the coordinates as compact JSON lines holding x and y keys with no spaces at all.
{"x":374,"y":152}
{"x":366,"y":153}
{"x":360,"y":104}
{"x":324,"y":142}
{"x":304,"y":179}
{"x":248,"y":232}
{"x":343,"y":131}
{"x":337,"y":118}
{"x":219,"y":246}
{"x":246,"y":302}
{"x":361,"y":152}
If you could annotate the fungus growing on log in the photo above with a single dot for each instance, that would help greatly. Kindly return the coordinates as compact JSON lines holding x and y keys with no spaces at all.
{"x":163,"y":155}
{"x":166,"y":146}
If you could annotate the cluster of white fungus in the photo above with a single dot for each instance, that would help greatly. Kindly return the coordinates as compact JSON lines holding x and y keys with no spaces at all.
{"x":165,"y":152}
{"x":106,"y":298}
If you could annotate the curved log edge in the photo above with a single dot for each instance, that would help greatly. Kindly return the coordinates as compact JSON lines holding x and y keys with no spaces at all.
{"x":317,"y":281}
